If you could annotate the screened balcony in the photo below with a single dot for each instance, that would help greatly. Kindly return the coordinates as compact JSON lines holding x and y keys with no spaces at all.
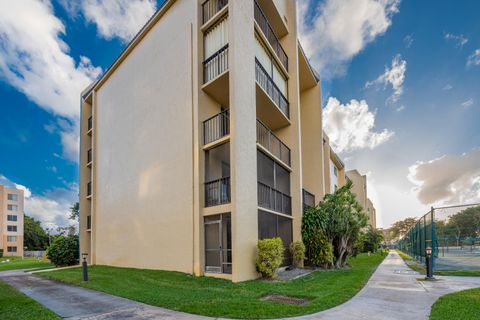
{"x":89,"y":124}
{"x":216,"y":127}
{"x":272,"y":199}
{"x":267,"y":139}
{"x":217,"y":175}
{"x":264,"y":24}
{"x":89,"y":189}
{"x":210,"y":8}
{"x":308,"y":199}
{"x":89,"y":157}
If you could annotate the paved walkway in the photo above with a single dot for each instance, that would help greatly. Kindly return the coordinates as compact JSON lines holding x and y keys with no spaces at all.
{"x":393,"y":292}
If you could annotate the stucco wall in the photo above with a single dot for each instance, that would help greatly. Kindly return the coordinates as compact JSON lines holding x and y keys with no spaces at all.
{"x":143,"y":170}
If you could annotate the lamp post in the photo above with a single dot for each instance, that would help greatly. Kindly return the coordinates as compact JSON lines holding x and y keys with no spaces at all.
{"x":429,"y":265}
{"x":84,"y":266}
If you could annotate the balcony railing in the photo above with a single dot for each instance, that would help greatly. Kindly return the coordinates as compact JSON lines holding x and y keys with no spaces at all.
{"x":89,"y":222}
{"x":89,"y":189}
{"x":272,"y":199}
{"x":89,"y":156}
{"x":216,"y":127}
{"x":272,"y":143}
{"x":89,"y":124}
{"x":211,"y":7}
{"x":266,"y":82}
{"x":267,"y":30}
{"x":308,"y":199}
{"x":217,"y":192}
{"x":216,"y":64}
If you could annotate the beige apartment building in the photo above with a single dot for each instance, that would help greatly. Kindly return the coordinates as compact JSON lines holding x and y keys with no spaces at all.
{"x":204,"y":136}
{"x":359,"y":188}
{"x":11,"y":221}
{"x":334,"y":168}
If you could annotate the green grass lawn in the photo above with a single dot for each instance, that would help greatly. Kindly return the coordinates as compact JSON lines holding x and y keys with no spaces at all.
{"x":460,"y":273}
{"x":412,"y":263}
{"x":17,"y":306}
{"x":222,"y":298}
{"x":14,"y":263}
{"x":463,"y":305}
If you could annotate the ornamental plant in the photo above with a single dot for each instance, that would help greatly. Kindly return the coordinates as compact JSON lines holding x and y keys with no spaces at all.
{"x":270,"y":257}
{"x":297,"y":249}
{"x":64,"y":251}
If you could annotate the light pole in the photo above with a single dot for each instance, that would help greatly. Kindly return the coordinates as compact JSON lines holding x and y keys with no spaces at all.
{"x":84,"y":267}
{"x":429,"y":264}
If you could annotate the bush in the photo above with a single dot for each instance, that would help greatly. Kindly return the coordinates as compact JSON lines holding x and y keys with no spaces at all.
{"x":320,"y":250}
{"x":1,"y":253}
{"x":297,"y":249}
{"x":270,"y":256}
{"x":64,"y":251}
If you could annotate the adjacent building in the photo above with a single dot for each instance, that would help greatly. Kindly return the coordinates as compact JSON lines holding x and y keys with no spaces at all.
{"x":359,"y":188}
{"x":204,"y":136}
{"x":11,"y":221}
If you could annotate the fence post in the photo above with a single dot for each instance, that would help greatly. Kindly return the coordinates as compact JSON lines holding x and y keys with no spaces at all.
{"x":434,"y":237}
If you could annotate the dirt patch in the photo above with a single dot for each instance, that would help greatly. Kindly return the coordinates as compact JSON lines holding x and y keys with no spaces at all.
{"x":285,"y":299}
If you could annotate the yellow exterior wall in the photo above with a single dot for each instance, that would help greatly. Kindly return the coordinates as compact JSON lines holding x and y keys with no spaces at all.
{"x":359,"y":186}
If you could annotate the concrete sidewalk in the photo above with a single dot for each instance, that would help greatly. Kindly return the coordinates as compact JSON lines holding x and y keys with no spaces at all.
{"x":392,"y":292}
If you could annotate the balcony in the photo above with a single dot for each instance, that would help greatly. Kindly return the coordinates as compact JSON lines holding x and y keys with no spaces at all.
{"x":270,"y":35}
{"x":267,"y":139}
{"x":216,"y":127}
{"x":210,"y":8}
{"x":217,"y":192}
{"x":89,"y":125}
{"x":272,"y":199}
{"x":89,"y":222}
{"x":272,"y":106}
{"x":215,"y":76}
{"x":89,"y":157}
{"x":308,"y":199}
{"x":89,"y":189}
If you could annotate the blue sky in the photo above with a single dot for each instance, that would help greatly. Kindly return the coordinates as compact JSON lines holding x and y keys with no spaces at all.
{"x":400,"y":81}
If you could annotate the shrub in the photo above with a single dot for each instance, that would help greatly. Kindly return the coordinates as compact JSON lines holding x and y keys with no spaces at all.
{"x":270,"y":256}
{"x":297,"y":249}
{"x":64,"y":251}
{"x":1,"y":253}
{"x":320,"y":250}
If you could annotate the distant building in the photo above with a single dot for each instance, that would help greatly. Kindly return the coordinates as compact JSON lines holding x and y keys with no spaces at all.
{"x":11,"y":221}
{"x":334,"y":168}
{"x":359,"y":188}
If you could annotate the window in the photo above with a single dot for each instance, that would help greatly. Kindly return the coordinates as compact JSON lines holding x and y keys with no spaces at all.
{"x":11,"y":238}
{"x":333,"y":177}
{"x":271,"y":225}
{"x":13,"y":197}
{"x":269,"y":64}
{"x":12,"y":228}
{"x":12,"y":249}
{"x":12,"y":207}
{"x":11,"y":217}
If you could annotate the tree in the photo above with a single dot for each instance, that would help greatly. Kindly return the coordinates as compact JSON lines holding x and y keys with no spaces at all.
{"x":464,"y":224}
{"x":35,"y":237}
{"x":74,"y":211}
{"x":400,"y":228}
{"x":64,"y":251}
{"x":340,"y":218}
{"x":372,"y":239}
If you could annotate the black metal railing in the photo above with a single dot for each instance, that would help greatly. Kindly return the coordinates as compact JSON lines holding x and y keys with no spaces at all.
{"x":89,"y":222}
{"x":216,"y":127}
{"x":217,"y":192}
{"x":272,"y":199}
{"x":266,"y":82}
{"x":211,"y":7}
{"x":216,"y":64}
{"x":89,"y":124}
{"x":272,"y":143}
{"x":308,"y":199}
{"x":89,"y":156}
{"x":89,"y":189}
{"x":267,"y":30}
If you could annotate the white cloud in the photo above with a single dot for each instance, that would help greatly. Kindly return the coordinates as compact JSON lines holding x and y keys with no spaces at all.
{"x":350,"y":126}
{"x":447,"y":87}
{"x":338,"y":30}
{"x":448,"y":179}
{"x":394,"y":76}
{"x":400,"y":109}
{"x":467,"y":103}
{"x":114,"y":18}
{"x":408,"y":41}
{"x":51,"y":208}
{"x":459,"y":40}
{"x":35,"y":60}
{"x":474,"y":58}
